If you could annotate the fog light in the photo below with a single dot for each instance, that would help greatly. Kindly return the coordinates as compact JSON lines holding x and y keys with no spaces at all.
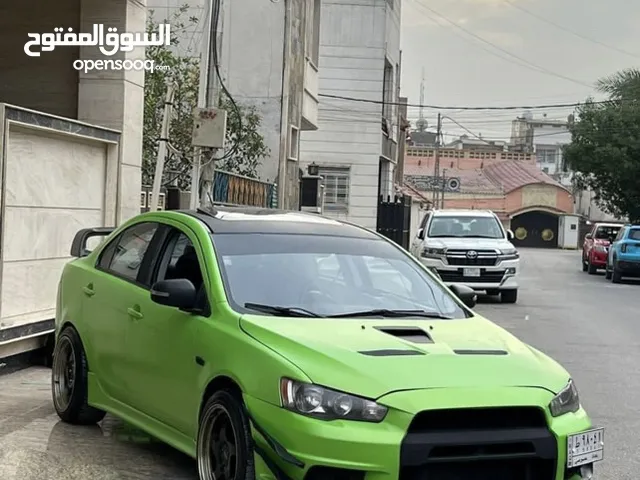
{"x":586,"y":472}
{"x":511,"y":271}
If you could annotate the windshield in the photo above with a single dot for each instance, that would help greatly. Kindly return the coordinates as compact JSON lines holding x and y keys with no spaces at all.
{"x":326,"y":275}
{"x":465,"y":226}
{"x":606,"y":233}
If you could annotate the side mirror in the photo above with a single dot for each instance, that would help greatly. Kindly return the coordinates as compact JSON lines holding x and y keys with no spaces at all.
{"x":421,"y":233}
{"x":467,"y":295}
{"x":510,"y":235}
{"x":588,"y":236}
{"x":179,"y":293}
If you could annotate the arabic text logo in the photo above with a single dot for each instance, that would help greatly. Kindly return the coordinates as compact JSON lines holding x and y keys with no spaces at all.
{"x":109,"y":43}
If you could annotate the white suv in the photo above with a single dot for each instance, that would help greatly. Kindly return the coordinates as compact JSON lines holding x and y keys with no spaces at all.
{"x":469,"y":247}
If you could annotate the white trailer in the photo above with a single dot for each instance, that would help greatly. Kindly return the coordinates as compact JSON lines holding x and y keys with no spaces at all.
{"x":57,"y":176}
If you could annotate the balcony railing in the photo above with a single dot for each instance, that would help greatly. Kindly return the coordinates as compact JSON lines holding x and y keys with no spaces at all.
{"x":233,"y":189}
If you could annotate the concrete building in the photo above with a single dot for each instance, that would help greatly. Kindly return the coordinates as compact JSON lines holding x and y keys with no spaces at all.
{"x":270,"y":56}
{"x":50,"y":84}
{"x":545,"y":138}
{"x":468,"y":143}
{"x":356,"y":143}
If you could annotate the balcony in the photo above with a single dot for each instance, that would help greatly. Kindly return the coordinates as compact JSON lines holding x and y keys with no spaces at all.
{"x":310,"y":97}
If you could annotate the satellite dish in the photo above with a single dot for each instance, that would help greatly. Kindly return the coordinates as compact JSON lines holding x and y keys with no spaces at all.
{"x":453,"y":184}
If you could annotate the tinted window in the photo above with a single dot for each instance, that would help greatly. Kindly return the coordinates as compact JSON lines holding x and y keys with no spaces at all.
{"x":326,"y":275}
{"x":634,"y":234}
{"x":424,"y":221}
{"x":131,"y":247}
{"x":465,"y":226}
{"x":181,"y":260}
{"x":606,"y":233}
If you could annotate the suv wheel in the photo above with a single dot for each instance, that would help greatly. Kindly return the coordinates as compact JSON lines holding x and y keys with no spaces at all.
{"x":591,"y":268}
{"x":616,"y":275}
{"x":584,"y":264}
{"x":509,"y":296}
{"x":607,"y":272}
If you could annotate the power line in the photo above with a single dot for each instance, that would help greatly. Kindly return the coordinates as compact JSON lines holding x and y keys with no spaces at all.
{"x":505,"y":51}
{"x":567,"y":30}
{"x":439,"y":107}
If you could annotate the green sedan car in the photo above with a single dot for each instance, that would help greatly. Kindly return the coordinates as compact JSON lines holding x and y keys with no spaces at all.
{"x":282,"y":345}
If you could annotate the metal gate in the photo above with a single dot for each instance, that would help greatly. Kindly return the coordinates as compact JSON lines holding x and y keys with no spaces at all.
{"x":394,"y":219}
{"x":535,"y":229}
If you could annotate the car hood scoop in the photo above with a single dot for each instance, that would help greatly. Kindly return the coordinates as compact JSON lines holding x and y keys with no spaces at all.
{"x":372,"y":357}
{"x":410,"y":334}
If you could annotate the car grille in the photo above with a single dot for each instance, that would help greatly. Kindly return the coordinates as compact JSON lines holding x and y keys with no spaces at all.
{"x":458,"y":276}
{"x":485,"y":258}
{"x":479,"y":444}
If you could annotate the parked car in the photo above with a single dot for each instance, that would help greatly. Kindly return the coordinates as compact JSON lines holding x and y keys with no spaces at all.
{"x":596,"y":244}
{"x":469,"y":247}
{"x":285,"y":345}
{"x":623,"y":259}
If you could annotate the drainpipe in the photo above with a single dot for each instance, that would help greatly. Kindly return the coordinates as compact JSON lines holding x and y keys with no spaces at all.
{"x":284,"y":109}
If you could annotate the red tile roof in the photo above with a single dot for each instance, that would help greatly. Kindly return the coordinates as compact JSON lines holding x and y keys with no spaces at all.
{"x":514,"y":174}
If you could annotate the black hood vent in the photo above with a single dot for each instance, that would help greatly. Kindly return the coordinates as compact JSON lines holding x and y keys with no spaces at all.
{"x":390,"y":353}
{"x":410,"y":334}
{"x":481,"y":352}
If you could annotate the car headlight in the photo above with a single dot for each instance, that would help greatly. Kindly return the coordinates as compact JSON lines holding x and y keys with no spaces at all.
{"x":600,"y":248}
{"x":325,"y":404}
{"x":509,"y":253}
{"x":428,"y":252}
{"x":567,"y":400}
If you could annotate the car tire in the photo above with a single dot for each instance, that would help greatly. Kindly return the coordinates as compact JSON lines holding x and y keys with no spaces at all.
{"x":509,"y":296}
{"x":591,"y":268}
{"x":584,"y":264}
{"x":69,"y":385}
{"x":607,"y":272}
{"x":224,"y":417}
{"x":616,"y":275}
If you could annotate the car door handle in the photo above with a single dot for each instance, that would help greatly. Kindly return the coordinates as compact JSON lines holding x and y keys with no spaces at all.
{"x":133,"y":313}
{"x":88,"y":290}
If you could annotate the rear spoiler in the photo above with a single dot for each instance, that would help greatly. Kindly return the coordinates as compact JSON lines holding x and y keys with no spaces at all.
{"x":79,"y":244}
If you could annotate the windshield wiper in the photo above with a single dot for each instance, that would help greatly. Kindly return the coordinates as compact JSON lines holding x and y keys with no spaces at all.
{"x":384,"y":312}
{"x":282,"y":311}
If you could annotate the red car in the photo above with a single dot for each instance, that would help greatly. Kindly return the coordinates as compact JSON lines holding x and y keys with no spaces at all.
{"x":596,"y":246}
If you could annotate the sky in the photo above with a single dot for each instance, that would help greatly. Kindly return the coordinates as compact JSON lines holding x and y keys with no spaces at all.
{"x":506,"y":53}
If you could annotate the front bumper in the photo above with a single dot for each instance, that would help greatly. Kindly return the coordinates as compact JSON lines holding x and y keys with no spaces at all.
{"x":403,"y":447}
{"x":502,"y":276}
{"x":598,"y":258}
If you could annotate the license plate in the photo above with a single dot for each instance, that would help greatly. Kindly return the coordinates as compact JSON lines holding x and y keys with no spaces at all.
{"x":471,"y":272}
{"x":585,"y":447}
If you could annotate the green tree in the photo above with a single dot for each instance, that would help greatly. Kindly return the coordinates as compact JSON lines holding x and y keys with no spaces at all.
{"x":243,"y":123}
{"x":605,"y":148}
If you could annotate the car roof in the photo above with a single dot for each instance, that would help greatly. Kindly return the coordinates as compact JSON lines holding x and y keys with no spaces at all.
{"x":227,"y":219}
{"x":463,"y":213}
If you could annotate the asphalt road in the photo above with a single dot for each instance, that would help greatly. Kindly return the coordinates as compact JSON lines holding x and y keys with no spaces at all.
{"x":592,"y":327}
{"x":588,"y":324}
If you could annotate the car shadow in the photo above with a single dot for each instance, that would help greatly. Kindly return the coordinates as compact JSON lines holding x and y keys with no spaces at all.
{"x":117,"y":449}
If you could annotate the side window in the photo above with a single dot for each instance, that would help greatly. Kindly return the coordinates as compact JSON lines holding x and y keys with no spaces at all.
{"x":180,"y":260}
{"x":620,"y":234}
{"x":129,"y":251}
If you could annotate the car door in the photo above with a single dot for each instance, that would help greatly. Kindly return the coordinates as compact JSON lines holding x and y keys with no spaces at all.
{"x":165,"y":365}
{"x":108,"y":297}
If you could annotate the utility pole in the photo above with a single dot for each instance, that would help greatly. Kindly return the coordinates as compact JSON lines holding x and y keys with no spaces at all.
{"x":162,"y":147}
{"x":436,"y":166}
{"x":208,"y":96}
{"x":444,"y":184}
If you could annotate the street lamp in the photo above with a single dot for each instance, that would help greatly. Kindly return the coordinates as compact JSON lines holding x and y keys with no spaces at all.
{"x":313,"y":169}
